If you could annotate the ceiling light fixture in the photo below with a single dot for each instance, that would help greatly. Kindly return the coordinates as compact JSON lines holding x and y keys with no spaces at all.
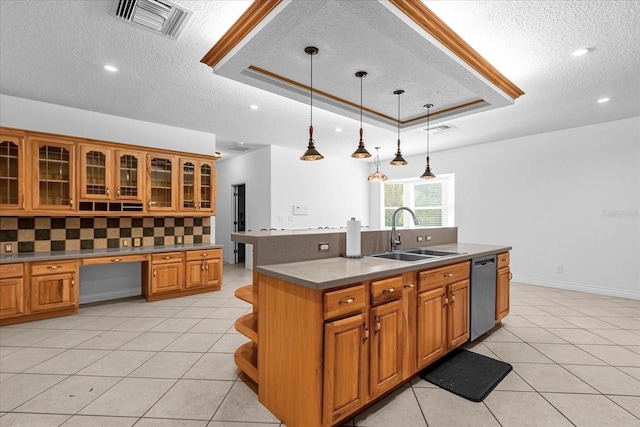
{"x":377,"y":176}
{"x":398,"y":160}
{"x":361,"y":152}
{"x":427,"y":172}
{"x":311,"y":153}
{"x":602,"y":100}
{"x":580,"y":52}
{"x":110,"y":68}
{"x":253,"y":107}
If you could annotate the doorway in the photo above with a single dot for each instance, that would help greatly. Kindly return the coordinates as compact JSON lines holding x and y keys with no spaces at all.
{"x":239,"y":219}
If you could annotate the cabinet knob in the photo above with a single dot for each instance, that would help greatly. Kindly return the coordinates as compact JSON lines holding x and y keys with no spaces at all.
{"x":366,"y":332}
{"x":510,"y":275}
{"x":53,"y":267}
{"x":107,"y":192}
{"x":71,"y":202}
{"x":154,"y":272}
{"x":118,"y":192}
{"x":204,"y":254}
{"x":347,"y":301}
{"x":377,"y":324}
{"x":388,"y":291}
{"x":116,"y":260}
{"x":202,"y":267}
{"x":409,"y":285}
{"x":448,"y":275}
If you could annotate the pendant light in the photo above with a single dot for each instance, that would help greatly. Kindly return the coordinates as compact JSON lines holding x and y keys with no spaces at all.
{"x":377,"y":176}
{"x":361,"y":152}
{"x":398,"y":160}
{"x":427,"y":172}
{"x":311,"y":153}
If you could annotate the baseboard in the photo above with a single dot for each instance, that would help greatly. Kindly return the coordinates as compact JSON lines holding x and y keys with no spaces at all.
{"x":105,"y":296}
{"x":577,"y":287}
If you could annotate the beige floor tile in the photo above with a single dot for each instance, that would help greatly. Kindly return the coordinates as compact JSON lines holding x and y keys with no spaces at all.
{"x":191,"y":399}
{"x":7,"y":331}
{"x":176,"y":302}
{"x":167,"y":365}
{"x":551,"y":378}
{"x":536,"y":335}
{"x":619,"y":336}
{"x":591,"y":410}
{"x":634,"y":372}
{"x":229,"y":343}
{"x":517,"y":352}
{"x":66,"y":322}
{"x":226,"y":424}
{"x":607,"y":379}
{"x":513,"y":382}
{"x":69,"y":396}
{"x":213,"y":366}
{"x":578,"y":336}
{"x":175,"y":325}
{"x":399,"y":409}
{"x":622,"y":322}
{"x":131,"y":397}
{"x":140,"y":324}
{"x":194,"y":312}
{"x":103,"y":323}
{"x":98,"y":310}
{"x":68,"y":362}
{"x":213,"y":326}
{"x":501,"y":335}
{"x":527,"y":310}
{"x":599,"y":311}
{"x":550,"y":322}
{"x":480,"y":348}
{"x":524,"y":409}
{"x":241,"y":404}
{"x":189,"y":342}
{"x":228,"y":313}
{"x":109,"y":340}
{"x":161,"y":311}
{"x":626,"y":311}
{"x":25,"y":358}
{"x":151,"y":341}
{"x":68,"y":339}
{"x":208,"y":302}
{"x":513,"y":320}
{"x":236,"y":303}
{"x":159,"y":422}
{"x":134,"y":310}
{"x":5,"y":376}
{"x":117,"y":363}
{"x":5,"y":351}
{"x":99,"y":421}
{"x":630,"y":403}
{"x":28,"y":337}
{"x":634,"y":348}
{"x":444,"y":409}
{"x":567,"y":354}
{"x":32,"y":420}
{"x":562,"y":311}
{"x":587,"y":322}
{"x":613,"y":354}
{"x":22,"y":387}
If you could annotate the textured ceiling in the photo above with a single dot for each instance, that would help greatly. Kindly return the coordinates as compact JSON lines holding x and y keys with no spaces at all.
{"x":54,"y":51}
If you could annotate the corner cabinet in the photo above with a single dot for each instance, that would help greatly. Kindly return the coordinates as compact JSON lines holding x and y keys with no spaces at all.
{"x":12,"y":171}
{"x":502,"y":286}
{"x":54,"y":186}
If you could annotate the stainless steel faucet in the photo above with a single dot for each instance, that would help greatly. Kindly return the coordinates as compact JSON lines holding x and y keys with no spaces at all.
{"x":395,"y":240}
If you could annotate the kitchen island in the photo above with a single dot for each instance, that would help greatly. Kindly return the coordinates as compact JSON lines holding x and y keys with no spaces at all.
{"x":330,"y":336}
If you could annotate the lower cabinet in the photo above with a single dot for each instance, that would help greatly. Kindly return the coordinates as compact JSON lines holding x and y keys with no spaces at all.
{"x":167,"y":273}
{"x":502,"y":286}
{"x":12,"y":291}
{"x":53,"y":286}
{"x":203,"y":269}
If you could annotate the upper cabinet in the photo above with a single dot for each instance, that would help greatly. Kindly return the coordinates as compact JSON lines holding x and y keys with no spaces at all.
{"x":54,"y":186}
{"x":95,"y":172}
{"x":129,"y":178}
{"x":197,"y":185}
{"x":12,"y":171}
{"x":163,"y":173}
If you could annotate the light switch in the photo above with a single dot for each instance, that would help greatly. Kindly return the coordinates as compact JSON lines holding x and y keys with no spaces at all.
{"x":301,"y":210}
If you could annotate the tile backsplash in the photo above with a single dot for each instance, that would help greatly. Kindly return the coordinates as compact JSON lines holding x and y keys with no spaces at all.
{"x":50,"y":234}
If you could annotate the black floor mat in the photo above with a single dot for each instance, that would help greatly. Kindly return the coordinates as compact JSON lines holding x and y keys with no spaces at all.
{"x":467,"y":374}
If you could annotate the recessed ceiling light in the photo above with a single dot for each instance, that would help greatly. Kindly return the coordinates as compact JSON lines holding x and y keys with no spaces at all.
{"x":580,"y":52}
{"x":338,"y":129}
{"x":110,"y":68}
{"x":254,"y":106}
{"x":601,"y":100}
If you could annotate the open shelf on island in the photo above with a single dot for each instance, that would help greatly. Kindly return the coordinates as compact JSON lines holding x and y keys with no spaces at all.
{"x":246,"y":294}
{"x":246,"y":358}
{"x":247,"y":325}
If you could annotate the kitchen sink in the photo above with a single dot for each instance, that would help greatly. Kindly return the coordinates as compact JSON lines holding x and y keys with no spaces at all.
{"x":430,"y":252}
{"x":402,"y":256}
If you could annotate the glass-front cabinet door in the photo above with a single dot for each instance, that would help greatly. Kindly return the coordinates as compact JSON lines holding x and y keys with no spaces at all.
{"x":207,"y":186}
{"x":95,"y":172}
{"x":129,"y":178}
{"x":197,"y":185}
{"x":188,"y":200}
{"x":54,"y":185}
{"x":162,"y":176}
{"x":12,"y":172}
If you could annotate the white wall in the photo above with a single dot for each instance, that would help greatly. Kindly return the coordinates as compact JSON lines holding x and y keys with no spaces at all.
{"x":548,"y":196}
{"x":333,"y":190}
{"x":252,"y":169}
{"x":40,"y":116}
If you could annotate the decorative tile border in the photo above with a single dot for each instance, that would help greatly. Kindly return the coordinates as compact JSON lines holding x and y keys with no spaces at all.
{"x":47,"y":234}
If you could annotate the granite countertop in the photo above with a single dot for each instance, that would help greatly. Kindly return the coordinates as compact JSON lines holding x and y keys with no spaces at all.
{"x":334,"y":272}
{"x":96,"y":253}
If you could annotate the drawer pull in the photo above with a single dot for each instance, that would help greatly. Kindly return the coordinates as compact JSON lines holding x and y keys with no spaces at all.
{"x":504,"y":260}
{"x":388,"y":291}
{"x":204,"y":254}
{"x":167,"y":257}
{"x":347,"y":301}
{"x":154,"y":272}
{"x":448,"y":275}
{"x":116,"y":260}
{"x":409,"y":285}
{"x":54,"y":267}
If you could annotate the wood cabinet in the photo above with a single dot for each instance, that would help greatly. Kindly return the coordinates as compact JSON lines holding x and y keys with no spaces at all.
{"x":12,"y":171}
{"x":12,"y":291}
{"x":53,"y":285}
{"x":203,"y":269}
{"x":54,"y":187}
{"x":503,"y":280}
{"x":431,"y":325}
{"x":162,"y":179}
{"x":197,"y":185}
{"x":167,"y":273}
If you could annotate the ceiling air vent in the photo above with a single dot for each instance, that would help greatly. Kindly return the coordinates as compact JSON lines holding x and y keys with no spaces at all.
{"x":161,"y":17}
{"x":239,"y":146}
{"x":439,"y":129}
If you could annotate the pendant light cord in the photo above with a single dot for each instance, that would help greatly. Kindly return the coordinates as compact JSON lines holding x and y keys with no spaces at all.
{"x":311,"y":81}
{"x":361,"y":102}
{"x":399,"y":120}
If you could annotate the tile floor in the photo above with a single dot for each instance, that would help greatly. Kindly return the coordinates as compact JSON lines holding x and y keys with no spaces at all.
{"x":575,"y":357}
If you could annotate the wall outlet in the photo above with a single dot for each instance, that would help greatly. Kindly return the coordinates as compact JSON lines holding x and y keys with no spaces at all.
{"x":559,"y":269}
{"x":323,"y":247}
{"x":419,"y":239}
{"x":178,"y":240}
{"x":137,"y":241}
{"x":8,"y":248}
{"x":124,"y":243}
{"x":428,"y":238}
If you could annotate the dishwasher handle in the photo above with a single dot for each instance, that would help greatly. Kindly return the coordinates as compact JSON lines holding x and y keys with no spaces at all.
{"x":483,"y":262}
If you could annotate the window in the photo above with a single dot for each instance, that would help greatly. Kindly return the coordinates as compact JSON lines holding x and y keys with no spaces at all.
{"x":432,"y":201}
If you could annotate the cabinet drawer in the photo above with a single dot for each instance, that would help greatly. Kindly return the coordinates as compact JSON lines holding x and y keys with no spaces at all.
{"x":503,"y":260}
{"x":204,"y":254}
{"x":40,"y":268}
{"x":386,"y":290}
{"x":10,"y":270}
{"x":343,"y":301}
{"x":114,"y":259}
{"x":166,"y":257}
{"x":442,"y":276}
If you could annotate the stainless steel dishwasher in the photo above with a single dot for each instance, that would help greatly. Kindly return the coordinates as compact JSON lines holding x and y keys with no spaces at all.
{"x":483,"y":295}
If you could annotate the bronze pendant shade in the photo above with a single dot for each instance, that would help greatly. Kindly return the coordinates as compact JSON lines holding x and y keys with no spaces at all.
{"x":361,"y":152}
{"x":398,"y":160}
{"x":311,"y":153}
{"x":427,"y":172}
